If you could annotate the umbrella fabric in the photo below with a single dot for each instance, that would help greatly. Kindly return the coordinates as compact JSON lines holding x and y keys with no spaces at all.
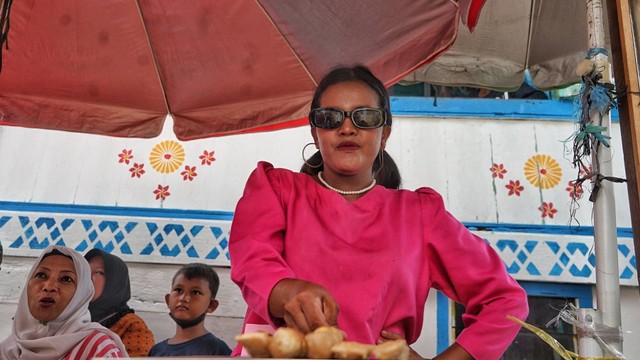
{"x":547,"y":37}
{"x":118,"y":67}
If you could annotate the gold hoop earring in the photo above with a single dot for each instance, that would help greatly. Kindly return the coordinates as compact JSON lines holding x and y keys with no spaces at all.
{"x":305,"y":160}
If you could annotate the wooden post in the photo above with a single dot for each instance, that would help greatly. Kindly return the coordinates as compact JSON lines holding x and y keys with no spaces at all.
{"x":621,"y":30}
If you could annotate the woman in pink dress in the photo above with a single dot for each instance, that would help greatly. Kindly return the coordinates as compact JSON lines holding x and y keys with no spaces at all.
{"x":340,"y":244}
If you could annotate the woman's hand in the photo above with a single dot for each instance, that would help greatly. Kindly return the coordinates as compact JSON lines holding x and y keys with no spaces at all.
{"x":388,"y":335}
{"x":303,"y":305}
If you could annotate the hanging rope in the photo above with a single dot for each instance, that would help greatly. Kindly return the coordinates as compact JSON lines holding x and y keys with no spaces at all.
{"x":597,"y":183}
{"x":4,"y":26}
{"x":596,"y":99}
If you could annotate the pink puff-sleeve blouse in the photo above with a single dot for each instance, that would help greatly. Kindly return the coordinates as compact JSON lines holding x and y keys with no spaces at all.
{"x":378,"y":256}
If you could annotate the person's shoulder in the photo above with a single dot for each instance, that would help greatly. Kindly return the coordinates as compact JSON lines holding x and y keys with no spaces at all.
{"x":208,"y":338}
{"x":428,"y":192}
{"x":423,"y":192}
{"x":131,"y":319}
{"x":211,"y":336}
{"x":95,"y":342}
{"x":426,"y":197}
{"x":135,"y":332}
{"x":128,"y":322}
{"x":99,"y":336}
{"x":161,"y":343}
{"x":219,"y":346}
{"x":158,"y":346}
{"x":268,"y":168}
{"x":277,"y":177}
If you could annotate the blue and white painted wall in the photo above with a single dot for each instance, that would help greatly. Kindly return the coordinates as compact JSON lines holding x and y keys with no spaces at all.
{"x":501,"y":166}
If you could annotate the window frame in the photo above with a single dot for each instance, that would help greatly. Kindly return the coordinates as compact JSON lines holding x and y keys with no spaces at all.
{"x":445,"y":314}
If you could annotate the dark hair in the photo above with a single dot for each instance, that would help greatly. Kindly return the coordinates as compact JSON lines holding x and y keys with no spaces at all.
{"x":385,"y":169}
{"x":200,"y":271}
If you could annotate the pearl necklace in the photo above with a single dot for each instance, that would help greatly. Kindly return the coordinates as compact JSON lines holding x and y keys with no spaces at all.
{"x":344,"y":192}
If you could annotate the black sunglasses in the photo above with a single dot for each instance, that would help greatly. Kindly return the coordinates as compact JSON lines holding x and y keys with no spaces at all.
{"x":362,"y":118}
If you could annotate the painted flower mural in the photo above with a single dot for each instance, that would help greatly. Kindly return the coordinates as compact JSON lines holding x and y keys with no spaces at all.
{"x":207,"y":157}
{"x":575,"y":190}
{"x":167,"y":156}
{"x":514,"y":187}
{"x":542,"y":171}
{"x":189,"y":173}
{"x":137,"y":170}
{"x":547,"y":210}
{"x":498,"y":170}
{"x":162,"y":192}
{"x":125,"y":156}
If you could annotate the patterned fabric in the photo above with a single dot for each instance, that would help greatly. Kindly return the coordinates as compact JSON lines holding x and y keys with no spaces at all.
{"x":95,"y":345}
{"x":378,"y":256}
{"x":135,"y":335}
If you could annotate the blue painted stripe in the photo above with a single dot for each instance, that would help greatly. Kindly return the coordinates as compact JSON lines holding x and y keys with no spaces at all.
{"x":228,"y":216}
{"x":442,"y":322}
{"x":542,"y":229}
{"x":116,"y":211}
{"x":561,"y":110}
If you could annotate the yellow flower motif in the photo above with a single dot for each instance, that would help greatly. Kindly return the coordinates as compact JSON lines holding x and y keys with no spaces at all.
{"x":167,"y":156}
{"x":543,"y":171}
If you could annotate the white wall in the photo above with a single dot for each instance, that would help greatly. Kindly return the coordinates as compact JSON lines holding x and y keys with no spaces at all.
{"x":451,"y":155}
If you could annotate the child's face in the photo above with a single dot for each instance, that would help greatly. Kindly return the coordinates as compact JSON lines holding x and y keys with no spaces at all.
{"x":190,"y":298}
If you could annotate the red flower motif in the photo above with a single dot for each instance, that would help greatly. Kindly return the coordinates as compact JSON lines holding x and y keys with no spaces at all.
{"x":547,"y":210}
{"x":207,"y":157}
{"x":575,"y":190}
{"x":585,"y":172}
{"x":137,"y":170}
{"x":162,"y":192}
{"x":514,"y":187}
{"x":498,"y":170}
{"x":189,"y":173}
{"x":125,"y":156}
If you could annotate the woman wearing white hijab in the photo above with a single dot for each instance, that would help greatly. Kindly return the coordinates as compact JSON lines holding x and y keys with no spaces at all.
{"x":53,"y":320}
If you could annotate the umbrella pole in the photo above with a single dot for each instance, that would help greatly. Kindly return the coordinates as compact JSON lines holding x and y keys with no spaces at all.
{"x":605,"y":229}
{"x":624,"y":27}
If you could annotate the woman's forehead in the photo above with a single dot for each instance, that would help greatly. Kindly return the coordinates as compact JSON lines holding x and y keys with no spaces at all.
{"x":96,"y":261}
{"x":350,"y":91}
{"x":57,"y":262}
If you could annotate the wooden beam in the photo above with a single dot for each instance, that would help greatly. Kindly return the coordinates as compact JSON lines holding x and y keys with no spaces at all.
{"x":624,"y":58}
